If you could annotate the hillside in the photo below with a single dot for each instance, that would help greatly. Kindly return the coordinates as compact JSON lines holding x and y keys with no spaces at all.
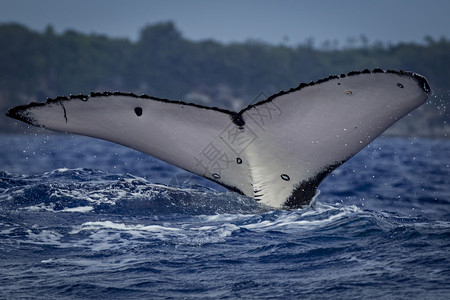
{"x":162,"y":63}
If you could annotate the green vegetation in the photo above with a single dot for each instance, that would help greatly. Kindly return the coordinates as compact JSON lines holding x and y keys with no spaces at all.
{"x":162,"y":63}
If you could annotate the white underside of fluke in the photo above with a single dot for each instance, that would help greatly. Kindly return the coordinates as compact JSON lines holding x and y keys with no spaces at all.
{"x":276,"y":151}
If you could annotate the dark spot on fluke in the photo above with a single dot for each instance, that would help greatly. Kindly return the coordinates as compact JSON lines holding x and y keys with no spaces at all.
{"x":238,"y":160}
{"x":423,"y":83}
{"x":400,"y":85}
{"x":138,"y":111}
{"x":285,"y":177}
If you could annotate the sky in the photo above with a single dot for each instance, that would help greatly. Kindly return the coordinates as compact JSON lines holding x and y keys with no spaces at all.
{"x":288,"y":22}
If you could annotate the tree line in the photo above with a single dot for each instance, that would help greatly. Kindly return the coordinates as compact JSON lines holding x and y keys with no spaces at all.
{"x":162,"y":63}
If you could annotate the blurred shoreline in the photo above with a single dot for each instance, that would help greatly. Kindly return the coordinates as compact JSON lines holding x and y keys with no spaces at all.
{"x":163,"y":63}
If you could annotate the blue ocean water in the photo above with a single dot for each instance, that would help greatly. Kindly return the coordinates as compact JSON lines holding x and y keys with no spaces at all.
{"x":87,"y":219}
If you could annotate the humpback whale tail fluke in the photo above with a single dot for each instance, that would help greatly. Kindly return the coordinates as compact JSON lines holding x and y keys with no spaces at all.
{"x":276,"y":151}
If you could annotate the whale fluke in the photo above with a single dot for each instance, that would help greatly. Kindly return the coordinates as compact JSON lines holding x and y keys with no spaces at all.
{"x":276,"y":151}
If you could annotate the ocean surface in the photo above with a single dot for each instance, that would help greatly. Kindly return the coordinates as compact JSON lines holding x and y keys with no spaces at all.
{"x":82,"y":218}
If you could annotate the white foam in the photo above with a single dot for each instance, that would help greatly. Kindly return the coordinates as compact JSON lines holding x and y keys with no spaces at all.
{"x":51,"y":208}
{"x":44,"y":237}
{"x":108,"y":235}
{"x":198,"y":230}
{"x":299,"y":218}
{"x":107,"y":229}
{"x":225,"y":217}
{"x":80,"y":209}
{"x":40,"y":207}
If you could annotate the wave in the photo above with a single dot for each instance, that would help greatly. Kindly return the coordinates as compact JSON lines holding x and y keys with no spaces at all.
{"x":93,"y":191}
{"x":319,"y":225}
{"x":85,"y":208}
{"x":385,"y":224}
